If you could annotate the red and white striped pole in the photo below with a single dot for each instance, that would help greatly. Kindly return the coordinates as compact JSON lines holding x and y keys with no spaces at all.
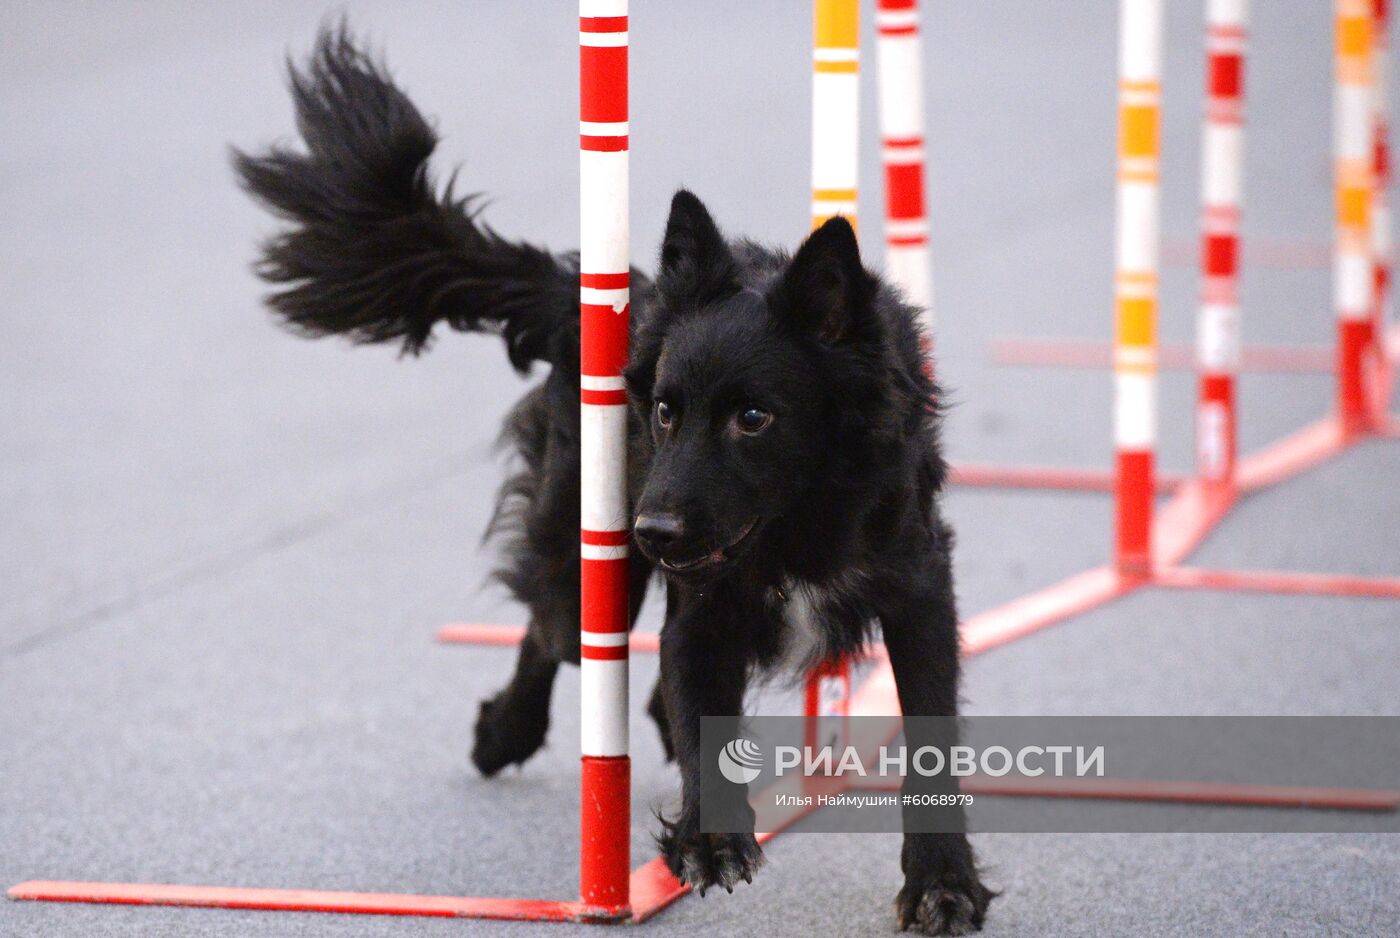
{"x":605,"y":860}
{"x":1222,"y":176}
{"x":1353,"y":277}
{"x":1135,"y":290}
{"x":899,"y":53}
{"x":1380,"y":200}
{"x":835,"y":158}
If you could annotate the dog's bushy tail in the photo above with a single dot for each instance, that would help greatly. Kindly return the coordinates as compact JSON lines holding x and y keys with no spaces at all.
{"x":376,"y":252}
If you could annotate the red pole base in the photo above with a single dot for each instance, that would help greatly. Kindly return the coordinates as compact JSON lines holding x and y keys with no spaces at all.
{"x":1134,"y":506}
{"x":605,"y":826}
{"x":1354,"y":339}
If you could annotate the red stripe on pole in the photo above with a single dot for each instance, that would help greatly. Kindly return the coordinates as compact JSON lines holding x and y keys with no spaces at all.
{"x":603,"y":91}
{"x":604,"y":340}
{"x":605,"y":827}
{"x":1220,"y":255}
{"x":604,"y":538}
{"x":904,"y":143}
{"x":604,"y":652}
{"x":909,"y":30}
{"x":602,"y":24}
{"x":602,"y":398}
{"x":605,"y":281}
{"x":1220,"y":31}
{"x":904,"y":190}
{"x":602,"y":144}
{"x":893,"y":5}
{"x":605,"y":602}
{"x":907,"y":241}
{"x":1226,"y":78}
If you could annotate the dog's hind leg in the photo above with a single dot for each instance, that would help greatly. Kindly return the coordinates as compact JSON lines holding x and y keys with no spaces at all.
{"x":942,"y":893}
{"x":511,"y":726}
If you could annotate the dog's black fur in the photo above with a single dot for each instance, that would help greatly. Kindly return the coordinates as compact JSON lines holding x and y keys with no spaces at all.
{"x":784,"y":438}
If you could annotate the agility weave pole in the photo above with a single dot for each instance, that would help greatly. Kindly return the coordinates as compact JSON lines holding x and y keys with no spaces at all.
{"x":900,"y":62}
{"x":1222,"y":184}
{"x":1135,"y":280}
{"x":1353,"y":275}
{"x":835,"y":162}
{"x":607,"y":891}
{"x":604,"y":281}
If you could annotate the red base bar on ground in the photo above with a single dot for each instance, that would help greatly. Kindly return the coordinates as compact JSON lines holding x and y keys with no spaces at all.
{"x":1089,"y":353}
{"x":1292,"y":455}
{"x":299,"y":900}
{"x":1046,"y":477}
{"x":1021,"y":617}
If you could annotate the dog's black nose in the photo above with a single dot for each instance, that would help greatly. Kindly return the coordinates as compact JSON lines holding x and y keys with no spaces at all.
{"x":659,"y":531}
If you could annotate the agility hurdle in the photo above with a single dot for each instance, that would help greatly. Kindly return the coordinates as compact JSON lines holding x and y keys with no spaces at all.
{"x":1149,"y":548}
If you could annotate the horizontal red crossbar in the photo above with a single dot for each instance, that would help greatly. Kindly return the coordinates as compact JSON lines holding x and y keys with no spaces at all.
{"x":1181,"y":792}
{"x":1088,"y":353}
{"x":485,"y":633}
{"x":1271,"y":253}
{"x":1273,"y":581}
{"x":1045,"y":477}
{"x":300,"y":900}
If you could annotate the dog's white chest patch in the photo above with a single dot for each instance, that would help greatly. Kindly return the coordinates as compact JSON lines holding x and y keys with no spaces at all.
{"x":802,"y":612}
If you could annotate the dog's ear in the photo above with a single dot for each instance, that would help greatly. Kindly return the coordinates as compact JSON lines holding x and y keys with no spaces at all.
{"x":826,"y":288}
{"x":695,"y":261}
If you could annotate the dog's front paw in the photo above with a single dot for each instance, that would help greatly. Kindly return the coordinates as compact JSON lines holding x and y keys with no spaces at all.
{"x":504,"y":737}
{"x":705,"y":860}
{"x":947,"y":905}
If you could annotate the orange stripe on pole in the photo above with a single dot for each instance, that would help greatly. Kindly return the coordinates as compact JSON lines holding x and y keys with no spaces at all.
{"x":836,"y":24}
{"x":1138,"y":130}
{"x":1137,"y":321}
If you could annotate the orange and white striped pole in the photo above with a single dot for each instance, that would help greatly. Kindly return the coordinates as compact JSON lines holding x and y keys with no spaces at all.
{"x":1353,"y":277}
{"x":1380,"y":201}
{"x":1135,"y":351}
{"x":1222,"y":176}
{"x":604,"y":296}
{"x":835,"y":108}
{"x":835,"y":157}
{"x":899,"y":54}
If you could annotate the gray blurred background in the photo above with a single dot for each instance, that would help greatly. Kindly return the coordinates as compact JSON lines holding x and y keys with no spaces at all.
{"x":227,"y":550}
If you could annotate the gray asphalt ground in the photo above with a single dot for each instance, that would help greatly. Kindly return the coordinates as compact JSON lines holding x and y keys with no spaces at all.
{"x":226,"y":550}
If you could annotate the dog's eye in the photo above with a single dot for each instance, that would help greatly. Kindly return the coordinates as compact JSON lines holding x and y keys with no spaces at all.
{"x":663,"y":414}
{"x":753,"y":419}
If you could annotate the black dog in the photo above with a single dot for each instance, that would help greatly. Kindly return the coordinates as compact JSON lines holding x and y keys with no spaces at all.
{"x":784,"y":438}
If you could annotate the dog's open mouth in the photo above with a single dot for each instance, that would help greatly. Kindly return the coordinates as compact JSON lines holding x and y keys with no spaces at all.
{"x":711,"y":559}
